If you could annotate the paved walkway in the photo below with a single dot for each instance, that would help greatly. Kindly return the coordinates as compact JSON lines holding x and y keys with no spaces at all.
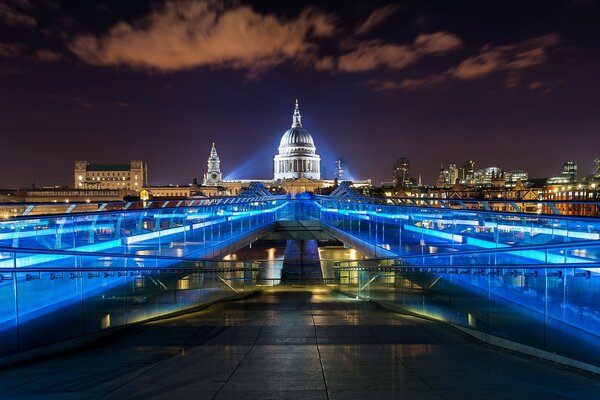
{"x":294,"y":343}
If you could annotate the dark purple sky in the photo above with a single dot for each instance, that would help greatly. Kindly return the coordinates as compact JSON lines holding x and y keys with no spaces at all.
{"x":507,"y":83}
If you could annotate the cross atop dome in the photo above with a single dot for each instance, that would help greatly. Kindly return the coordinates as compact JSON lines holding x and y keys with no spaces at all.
{"x":297,"y":119}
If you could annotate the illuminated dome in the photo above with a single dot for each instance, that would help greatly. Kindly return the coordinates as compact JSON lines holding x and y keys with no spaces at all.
{"x":296,"y":137}
{"x":297,"y":156}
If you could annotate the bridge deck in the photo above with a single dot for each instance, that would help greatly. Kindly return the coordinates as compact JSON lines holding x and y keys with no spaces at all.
{"x":294,"y":343}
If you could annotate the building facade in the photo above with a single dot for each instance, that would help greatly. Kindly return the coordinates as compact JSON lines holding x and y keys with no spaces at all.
{"x":132,"y":176}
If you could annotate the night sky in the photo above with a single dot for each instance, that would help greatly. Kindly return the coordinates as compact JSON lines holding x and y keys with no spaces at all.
{"x":508,"y":83}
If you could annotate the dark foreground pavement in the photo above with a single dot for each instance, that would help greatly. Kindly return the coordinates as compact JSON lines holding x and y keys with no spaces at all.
{"x":294,"y":343}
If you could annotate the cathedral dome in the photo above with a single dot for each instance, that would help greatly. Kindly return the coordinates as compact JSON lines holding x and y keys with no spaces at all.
{"x":297,"y":156}
{"x":296,"y":137}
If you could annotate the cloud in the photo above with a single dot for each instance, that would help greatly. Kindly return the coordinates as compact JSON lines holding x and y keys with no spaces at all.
{"x":21,"y":51}
{"x":376,"y":18}
{"x":14,"y":13}
{"x":370,"y":55}
{"x":437,"y":43}
{"x":325,"y":64}
{"x":12,"y":50}
{"x":389,"y":85}
{"x":185,"y":35}
{"x":374,"y":54}
{"x":511,"y":59}
{"x":48,"y":55}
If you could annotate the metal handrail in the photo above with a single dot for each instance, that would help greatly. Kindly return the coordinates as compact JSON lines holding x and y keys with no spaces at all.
{"x":586,"y":243}
{"x":416,"y":268}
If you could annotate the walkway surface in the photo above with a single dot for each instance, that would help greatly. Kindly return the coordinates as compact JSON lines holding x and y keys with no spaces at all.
{"x":294,"y":343}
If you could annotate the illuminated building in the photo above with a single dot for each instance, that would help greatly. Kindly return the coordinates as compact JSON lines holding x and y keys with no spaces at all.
{"x":213,"y":175}
{"x":448,"y":176}
{"x":132,"y":176}
{"x":568,"y":175}
{"x":574,"y":192}
{"x":297,"y":157}
{"x":296,"y":167}
{"x":466,"y":172}
{"x":486,"y":175}
{"x":513,"y":176}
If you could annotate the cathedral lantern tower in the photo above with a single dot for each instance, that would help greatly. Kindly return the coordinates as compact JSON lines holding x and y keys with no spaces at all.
{"x":213,"y":175}
{"x":297,"y":157}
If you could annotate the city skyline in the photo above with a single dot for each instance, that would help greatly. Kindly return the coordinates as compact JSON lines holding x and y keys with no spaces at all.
{"x":409,"y":80}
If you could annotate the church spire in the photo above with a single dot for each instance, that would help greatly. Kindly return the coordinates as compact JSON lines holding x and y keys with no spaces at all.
{"x":213,"y":174}
{"x":297,"y":119}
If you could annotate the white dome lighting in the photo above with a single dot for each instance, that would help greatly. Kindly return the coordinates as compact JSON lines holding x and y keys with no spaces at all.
{"x":297,"y":156}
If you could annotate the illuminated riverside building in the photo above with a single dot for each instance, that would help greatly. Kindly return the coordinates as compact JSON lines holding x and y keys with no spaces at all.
{"x":132,"y":176}
{"x":213,"y":174}
{"x":566,"y":194}
{"x":296,"y":167}
{"x":297,"y":157}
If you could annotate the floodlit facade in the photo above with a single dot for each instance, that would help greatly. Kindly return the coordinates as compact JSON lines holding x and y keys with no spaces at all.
{"x":132,"y":176}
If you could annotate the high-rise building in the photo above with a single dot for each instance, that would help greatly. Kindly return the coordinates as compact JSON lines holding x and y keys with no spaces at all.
{"x":213,"y":176}
{"x":447,"y":176}
{"x":568,"y":174}
{"x":132,"y":176}
{"x":513,"y":176}
{"x":452,"y":174}
{"x":569,"y":170}
{"x":466,"y":172}
{"x":486,"y":175}
{"x":401,"y":172}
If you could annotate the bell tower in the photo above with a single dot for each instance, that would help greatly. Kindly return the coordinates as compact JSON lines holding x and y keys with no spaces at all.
{"x":213,"y":175}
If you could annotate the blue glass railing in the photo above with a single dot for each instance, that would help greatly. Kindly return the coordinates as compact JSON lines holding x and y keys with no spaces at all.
{"x":86,"y":294}
{"x":589,"y":207}
{"x":552,"y":308}
{"x":187,"y":230}
{"x":178,"y":231}
{"x":409,"y":230}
